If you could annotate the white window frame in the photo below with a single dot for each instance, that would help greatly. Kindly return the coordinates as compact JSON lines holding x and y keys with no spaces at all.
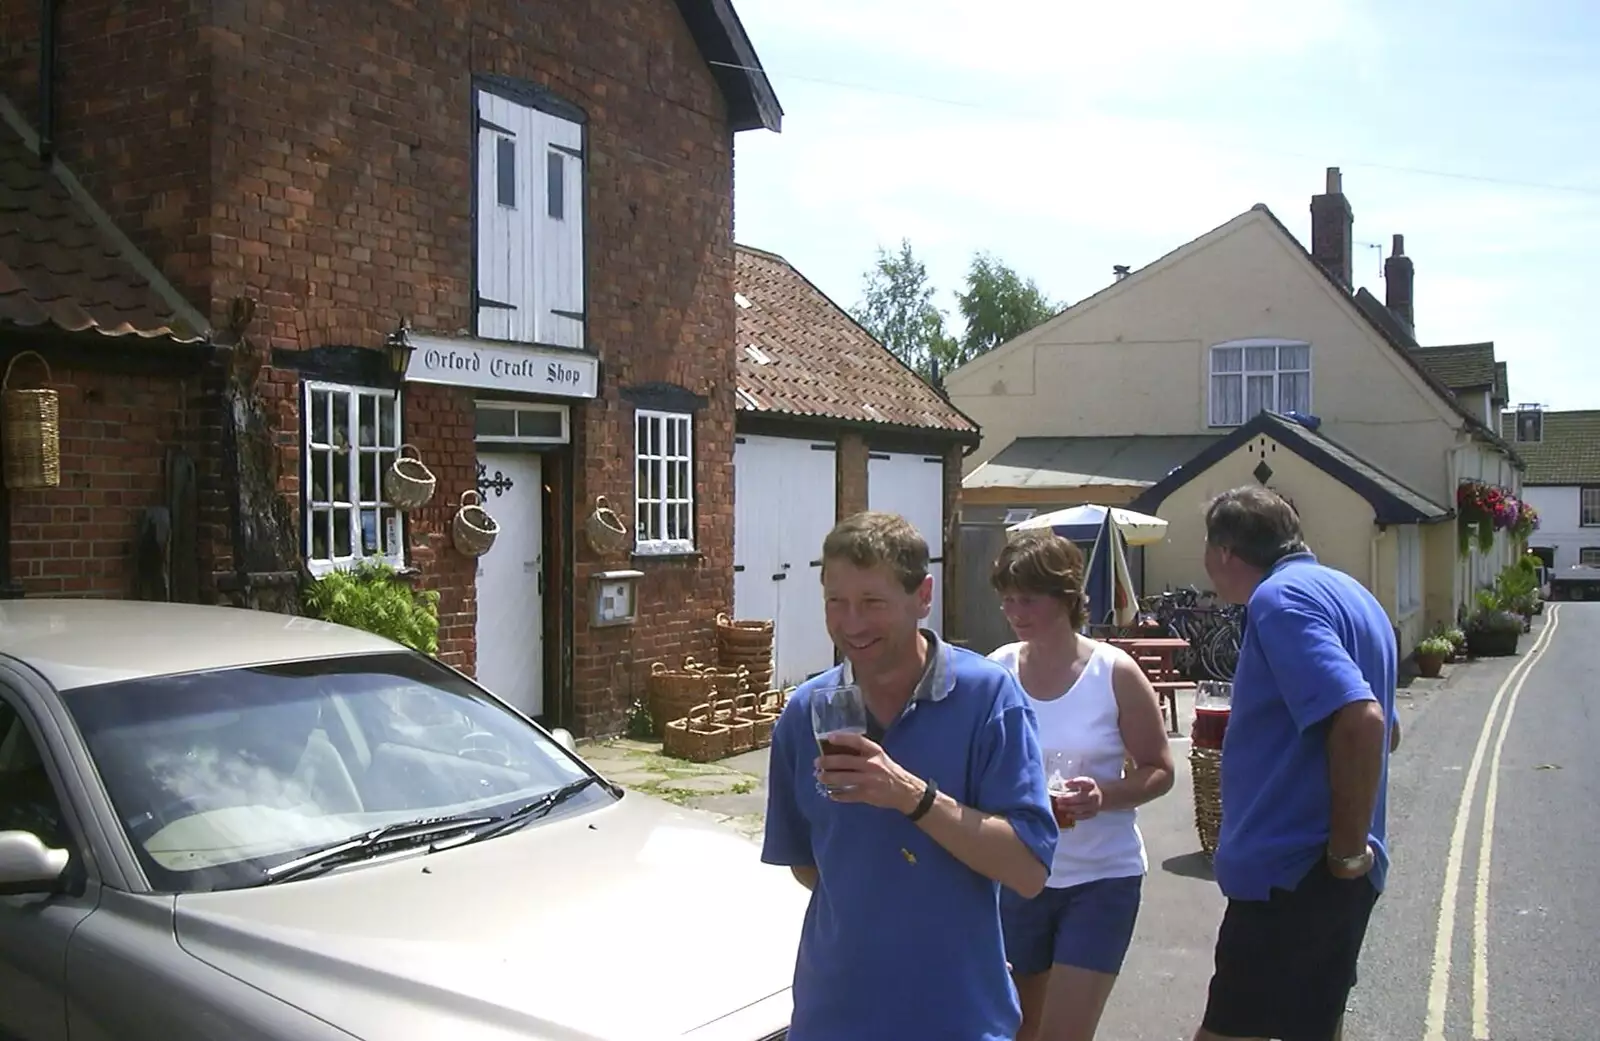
{"x":1589,"y":506}
{"x":652,"y":512}
{"x":1215,"y":415}
{"x":1408,"y":571}
{"x":520,"y":438}
{"x":1588,"y":553}
{"x":312,"y":451}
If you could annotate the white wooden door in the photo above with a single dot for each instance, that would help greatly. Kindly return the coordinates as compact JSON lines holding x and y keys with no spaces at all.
{"x":912,"y":485}
{"x":784,"y":506}
{"x":510,"y":585}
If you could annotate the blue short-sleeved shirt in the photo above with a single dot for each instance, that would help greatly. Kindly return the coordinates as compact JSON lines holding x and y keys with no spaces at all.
{"x":1315,"y":641}
{"x":900,"y":938}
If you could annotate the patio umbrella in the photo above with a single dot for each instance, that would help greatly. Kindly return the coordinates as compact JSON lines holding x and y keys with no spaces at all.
{"x":1108,"y":581}
{"x":1083,"y":523}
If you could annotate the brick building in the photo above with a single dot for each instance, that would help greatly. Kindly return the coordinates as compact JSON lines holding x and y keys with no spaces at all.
{"x":825,"y":407}
{"x":539,"y":192}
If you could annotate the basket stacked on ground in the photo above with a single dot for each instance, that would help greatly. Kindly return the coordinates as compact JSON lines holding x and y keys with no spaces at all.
{"x":671,"y":695}
{"x":748,"y":644}
{"x":697,"y":737}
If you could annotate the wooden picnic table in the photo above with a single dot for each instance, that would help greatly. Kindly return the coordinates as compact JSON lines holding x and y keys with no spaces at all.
{"x":1155,"y":655}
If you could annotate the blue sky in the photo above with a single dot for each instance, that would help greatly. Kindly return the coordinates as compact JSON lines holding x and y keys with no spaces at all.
{"x":1066,"y":137}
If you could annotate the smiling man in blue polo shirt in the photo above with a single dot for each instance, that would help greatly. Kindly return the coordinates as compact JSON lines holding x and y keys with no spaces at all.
{"x":943,"y":802}
{"x":1302,"y":854}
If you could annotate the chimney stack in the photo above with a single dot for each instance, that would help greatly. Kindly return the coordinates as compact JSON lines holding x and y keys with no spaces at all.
{"x":1332,"y":230}
{"x":1398,"y":277}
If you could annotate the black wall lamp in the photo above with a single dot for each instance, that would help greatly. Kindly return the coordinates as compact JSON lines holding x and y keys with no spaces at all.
{"x":398,"y":347}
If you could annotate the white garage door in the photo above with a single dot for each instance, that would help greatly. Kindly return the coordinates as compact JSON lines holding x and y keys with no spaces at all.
{"x":912,"y":485}
{"x":784,"y":506}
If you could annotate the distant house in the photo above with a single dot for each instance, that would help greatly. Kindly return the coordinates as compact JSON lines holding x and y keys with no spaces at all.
{"x":1562,"y":450}
{"x":1145,"y":388}
{"x":829,"y":423}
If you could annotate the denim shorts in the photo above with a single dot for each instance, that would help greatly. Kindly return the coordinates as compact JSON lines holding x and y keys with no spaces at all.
{"x":1087,"y":926}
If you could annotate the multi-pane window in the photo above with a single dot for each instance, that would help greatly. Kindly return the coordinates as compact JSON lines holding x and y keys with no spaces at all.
{"x":351,"y":435}
{"x":1248,"y":377}
{"x":1589,"y":507}
{"x":1589,"y":556}
{"x":664,"y":484}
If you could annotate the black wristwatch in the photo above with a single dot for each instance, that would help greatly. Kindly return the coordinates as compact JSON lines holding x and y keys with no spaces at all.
{"x":925,"y":803}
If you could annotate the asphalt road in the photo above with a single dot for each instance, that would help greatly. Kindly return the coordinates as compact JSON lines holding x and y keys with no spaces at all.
{"x":1515,"y":957}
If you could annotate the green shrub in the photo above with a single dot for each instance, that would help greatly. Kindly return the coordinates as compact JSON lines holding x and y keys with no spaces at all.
{"x":372,"y":596}
{"x":1436,"y":647}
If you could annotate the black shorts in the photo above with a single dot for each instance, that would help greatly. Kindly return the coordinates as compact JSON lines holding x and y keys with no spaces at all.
{"x":1285,"y":965}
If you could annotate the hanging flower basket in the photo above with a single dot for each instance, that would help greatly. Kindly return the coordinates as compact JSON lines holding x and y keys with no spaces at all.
{"x":408,"y":484}
{"x":1481,"y":510}
{"x":473,"y":529}
{"x":32,"y":430}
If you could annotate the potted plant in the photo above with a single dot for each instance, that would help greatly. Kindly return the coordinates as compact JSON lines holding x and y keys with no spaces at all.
{"x":1430,"y":655}
{"x":1493,"y":633}
{"x":1457,"y":638}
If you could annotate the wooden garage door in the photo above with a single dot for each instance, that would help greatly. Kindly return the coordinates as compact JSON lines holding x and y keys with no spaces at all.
{"x":912,"y":485}
{"x":784,"y":506}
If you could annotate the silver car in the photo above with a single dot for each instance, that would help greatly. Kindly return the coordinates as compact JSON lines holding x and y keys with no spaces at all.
{"x":218,"y":823}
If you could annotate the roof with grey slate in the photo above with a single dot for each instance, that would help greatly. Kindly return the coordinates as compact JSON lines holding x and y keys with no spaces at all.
{"x":1076,"y":462}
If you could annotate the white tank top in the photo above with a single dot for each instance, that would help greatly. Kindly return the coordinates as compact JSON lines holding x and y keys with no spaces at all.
{"x":1083,"y":723}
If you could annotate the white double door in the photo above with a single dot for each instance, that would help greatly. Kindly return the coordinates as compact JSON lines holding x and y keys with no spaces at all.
{"x":510,"y":584}
{"x":912,"y":485}
{"x":784,"y":506}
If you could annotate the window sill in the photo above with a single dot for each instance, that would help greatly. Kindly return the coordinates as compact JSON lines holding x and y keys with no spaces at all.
{"x":668,"y":556}
{"x":322,"y":568}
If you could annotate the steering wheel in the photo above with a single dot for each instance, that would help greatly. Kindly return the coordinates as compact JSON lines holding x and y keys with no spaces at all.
{"x":484,"y":747}
{"x":145,"y":827}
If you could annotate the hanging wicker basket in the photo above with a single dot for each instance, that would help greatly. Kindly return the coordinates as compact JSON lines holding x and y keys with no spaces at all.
{"x":473,"y":529}
{"x":32,"y":438}
{"x":607,"y":534}
{"x":408,"y":484}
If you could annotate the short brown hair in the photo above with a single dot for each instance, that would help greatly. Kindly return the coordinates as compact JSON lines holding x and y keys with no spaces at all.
{"x":1042,"y":563}
{"x":1255,"y":524}
{"x":871,"y":538}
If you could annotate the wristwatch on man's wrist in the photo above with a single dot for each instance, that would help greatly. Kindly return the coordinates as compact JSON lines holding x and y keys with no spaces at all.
{"x":1352,"y":865}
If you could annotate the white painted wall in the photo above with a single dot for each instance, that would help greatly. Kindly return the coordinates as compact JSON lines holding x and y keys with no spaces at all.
{"x":1558,"y":522}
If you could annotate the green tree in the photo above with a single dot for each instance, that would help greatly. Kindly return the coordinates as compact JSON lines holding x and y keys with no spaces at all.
{"x":998,"y":306}
{"x":897,"y":308}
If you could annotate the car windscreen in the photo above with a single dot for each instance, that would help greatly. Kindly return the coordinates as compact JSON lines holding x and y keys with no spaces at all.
{"x":218,"y":777}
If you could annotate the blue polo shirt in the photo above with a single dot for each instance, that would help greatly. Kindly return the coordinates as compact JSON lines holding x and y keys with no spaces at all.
{"x":901,"y":940}
{"x":1315,"y":641}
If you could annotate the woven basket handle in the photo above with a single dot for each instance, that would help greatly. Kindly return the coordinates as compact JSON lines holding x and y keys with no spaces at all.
{"x":5,"y":384}
{"x":476,"y":496}
{"x":401,"y":453}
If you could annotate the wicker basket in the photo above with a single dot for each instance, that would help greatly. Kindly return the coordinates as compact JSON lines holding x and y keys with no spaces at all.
{"x":743,"y":635}
{"x":741,"y":728}
{"x":757,"y":708}
{"x":408,"y":484}
{"x":671,"y":694}
{"x":474,"y":530}
{"x":1206,"y":766}
{"x":607,"y":534}
{"x":725,"y":683}
{"x":697,"y":737}
{"x":32,"y":430}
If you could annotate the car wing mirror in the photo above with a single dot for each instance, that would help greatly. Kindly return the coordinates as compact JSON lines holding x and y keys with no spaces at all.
{"x":564,"y":738}
{"x":27,"y":865}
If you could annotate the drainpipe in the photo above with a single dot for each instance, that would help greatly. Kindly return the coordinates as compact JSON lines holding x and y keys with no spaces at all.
{"x":49,"y":11}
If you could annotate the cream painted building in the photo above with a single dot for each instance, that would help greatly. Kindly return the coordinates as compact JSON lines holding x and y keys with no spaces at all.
{"x":1192,"y":347}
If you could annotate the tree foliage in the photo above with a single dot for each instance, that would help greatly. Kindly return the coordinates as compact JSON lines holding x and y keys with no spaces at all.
{"x":998,"y":306}
{"x":897,"y":308}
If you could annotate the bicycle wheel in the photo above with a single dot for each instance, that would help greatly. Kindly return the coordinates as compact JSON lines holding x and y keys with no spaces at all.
{"x":1220,"y":655}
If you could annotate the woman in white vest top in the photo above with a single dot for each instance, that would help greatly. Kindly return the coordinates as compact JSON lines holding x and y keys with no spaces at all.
{"x":1095,"y":705}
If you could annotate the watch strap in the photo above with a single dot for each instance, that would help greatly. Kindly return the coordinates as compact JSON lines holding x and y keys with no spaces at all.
{"x":929,"y":793}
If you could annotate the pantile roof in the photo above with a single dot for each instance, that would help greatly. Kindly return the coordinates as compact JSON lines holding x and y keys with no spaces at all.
{"x":60,"y":268}
{"x":800,"y":354}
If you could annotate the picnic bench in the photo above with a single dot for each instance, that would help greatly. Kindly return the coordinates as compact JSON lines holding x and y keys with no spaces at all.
{"x":1155,"y":655}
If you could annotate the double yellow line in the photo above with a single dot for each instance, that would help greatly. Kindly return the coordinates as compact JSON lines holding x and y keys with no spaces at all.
{"x":1439,"y":984}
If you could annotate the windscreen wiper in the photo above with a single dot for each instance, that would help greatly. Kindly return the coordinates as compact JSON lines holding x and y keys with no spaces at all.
{"x":371,"y":844}
{"x":532,"y":811}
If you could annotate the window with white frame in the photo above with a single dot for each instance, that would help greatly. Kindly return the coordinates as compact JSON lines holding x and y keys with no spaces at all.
{"x":351,"y":436}
{"x":1589,"y":556}
{"x":1249,"y":376}
{"x":530,"y":176}
{"x":1408,"y":572}
{"x":663,"y":497}
{"x":1589,"y":507}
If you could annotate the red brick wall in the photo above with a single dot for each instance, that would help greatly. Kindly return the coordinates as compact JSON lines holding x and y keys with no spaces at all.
{"x":851,"y":496}
{"x":77,"y":539}
{"x":318,"y":158}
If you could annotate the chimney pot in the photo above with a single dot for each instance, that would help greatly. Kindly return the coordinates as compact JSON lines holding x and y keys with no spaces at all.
{"x":1399,"y":249}
{"x":1335,"y":181}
